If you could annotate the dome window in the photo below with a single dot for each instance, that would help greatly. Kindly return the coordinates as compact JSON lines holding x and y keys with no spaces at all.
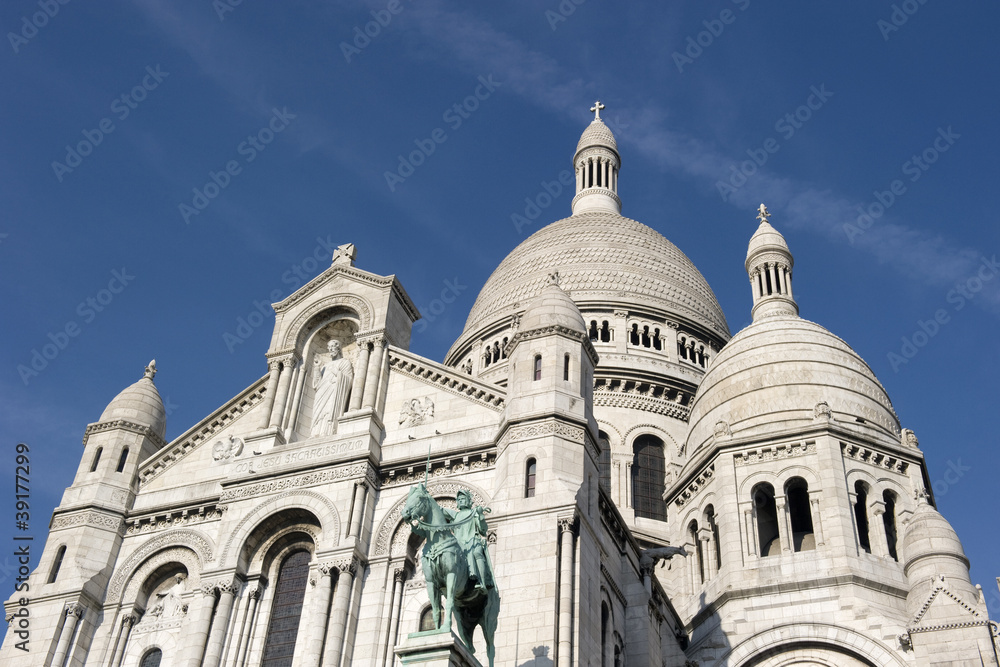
{"x":766,"y":512}
{"x":648,"y":472}
{"x":537,"y":366}
{"x":889,"y":519}
{"x":56,"y":564}
{"x":797,"y":496}
{"x":861,"y":515}
{"x":97,"y":459}
{"x":122,"y":460}
{"x":530,"y":469}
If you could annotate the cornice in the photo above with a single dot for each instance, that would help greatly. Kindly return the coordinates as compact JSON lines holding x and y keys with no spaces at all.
{"x":451,"y":380}
{"x":124,"y":425}
{"x":203,"y":431}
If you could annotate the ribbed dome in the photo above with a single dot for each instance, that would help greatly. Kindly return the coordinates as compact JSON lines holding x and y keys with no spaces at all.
{"x":553,"y":307}
{"x":602,"y":259}
{"x":773,"y":373}
{"x":597,"y":134}
{"x":139,"y":403}
{"x":928,"y":534}
{"x":766,"y":238}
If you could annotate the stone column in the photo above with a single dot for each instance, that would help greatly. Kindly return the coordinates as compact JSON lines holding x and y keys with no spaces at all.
{"x":338,"y":614}
{"x":565,"y":657}
{"x":752,"y":540}
{"x":73,"y":614}
{"x":201,"y":619}
{"x":395,"y":609}
{"x":272,"y":387}
{"x":708,"y":552}
{"x":358,"y":508}
{"x":754,"y":282}
{"x":817,"y":521}
{"x":281,"y":396}
{"x":213,"y":653}
{"x":784,"y":525}
{"x":876,"y":529}
{"x":298,"y":380}
{"x":123,"y":635}
{"x":361,"y":370}
{"x":374,"y":370}
{"x":319,"y":616}
{"x":246,"y":632}
{"x":774,"y":277}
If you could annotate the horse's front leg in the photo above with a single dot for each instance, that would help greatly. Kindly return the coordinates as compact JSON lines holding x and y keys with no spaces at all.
{"x":435,"y":595}
{"x":449,"y":600}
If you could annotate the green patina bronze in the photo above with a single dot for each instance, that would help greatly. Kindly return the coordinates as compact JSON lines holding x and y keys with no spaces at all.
{"x":456,"y":564}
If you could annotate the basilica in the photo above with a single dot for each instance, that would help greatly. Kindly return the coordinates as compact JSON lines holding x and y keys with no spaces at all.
{"x":651,"y":490}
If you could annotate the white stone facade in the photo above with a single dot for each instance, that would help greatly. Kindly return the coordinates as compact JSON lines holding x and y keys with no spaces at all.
{"x":598,"y":404}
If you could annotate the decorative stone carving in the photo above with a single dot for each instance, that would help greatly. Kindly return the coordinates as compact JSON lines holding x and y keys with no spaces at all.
{"x":722,"y":429}
{"x":345,"y":254}
{"x":909,"y":439}
{"x":415,"y":412}
{"x":822,"y":411}
{"x":168,"y":602}
{"x":225,"y":450}
{"x":332,"y":381}
{"x":198,"y":543}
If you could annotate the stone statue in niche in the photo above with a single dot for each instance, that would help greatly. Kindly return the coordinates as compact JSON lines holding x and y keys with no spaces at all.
{"x":331,"y":381}
{"x":415,"y":413}
{"x":168,"y":602}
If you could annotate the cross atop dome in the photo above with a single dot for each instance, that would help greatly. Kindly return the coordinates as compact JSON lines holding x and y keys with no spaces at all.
{"x":597,"y":110}
{"x":763,"y":214}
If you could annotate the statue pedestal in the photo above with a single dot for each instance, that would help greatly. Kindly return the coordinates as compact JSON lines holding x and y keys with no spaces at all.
{"x":434,"y":648}
{"x":263,"y":440}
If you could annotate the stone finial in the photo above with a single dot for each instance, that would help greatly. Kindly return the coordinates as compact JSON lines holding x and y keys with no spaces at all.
{"x":553,"y":279}
{"x":722,"y":429}
{"x":923,"y":496}
{"x":908,"y":438}
{"x":597,"y":109}
{"x":345,"y":254}
{"x":150,"y":371}
{"x":763,"y":214}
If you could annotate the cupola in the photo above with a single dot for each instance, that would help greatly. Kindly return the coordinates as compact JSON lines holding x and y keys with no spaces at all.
{"x":769,"y":265}
{"x":596,"y":163}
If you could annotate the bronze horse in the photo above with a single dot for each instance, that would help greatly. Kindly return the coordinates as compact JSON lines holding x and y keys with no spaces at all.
{"x":446,"y":570}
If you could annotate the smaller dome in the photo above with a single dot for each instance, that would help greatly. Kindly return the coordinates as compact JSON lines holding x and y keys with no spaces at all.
{"x":597,"y":134}
{"x":928,"y":534}
{"x":766,"y":238}
{"x":552,"y":307}
{"x":139,"y":403}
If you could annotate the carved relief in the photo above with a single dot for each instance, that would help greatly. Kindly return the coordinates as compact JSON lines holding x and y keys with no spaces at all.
{"x":782,"y":451}
{"x":195,"y":541}
{"x":225,"y":450}
{"x":111,"y":522}
{"x":415,"y":412}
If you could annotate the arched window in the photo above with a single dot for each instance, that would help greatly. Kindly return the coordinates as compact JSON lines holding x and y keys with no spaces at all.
{"x":566,"y":368}
{"x":698,"y":569}
{"x":538,"y":367}
{"x":427,"y":621}
{"x":605,"y":460}
{"x":152,"y":658}
{"x":797,"y":496}
{"x":56,"y":564}
{"x":287,"y":610}
{"x":97,"y":459}
{"x":648,"y":470}
{"x":529,"y":479}
{"x":889,"y":519}
{"x":605,"y":332}
{"x":593,"y":330}
{"x":633,"y":335}
{"x":122,"y":460}
{"x":768,"y":539}
{"x":861,"y":515}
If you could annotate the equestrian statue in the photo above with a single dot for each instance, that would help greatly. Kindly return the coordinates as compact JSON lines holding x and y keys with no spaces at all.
{"x":456,"y":564}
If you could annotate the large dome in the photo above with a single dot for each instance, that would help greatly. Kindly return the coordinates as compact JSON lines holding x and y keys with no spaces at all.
{"x":772,"y":375}
{"x":603,"y":260}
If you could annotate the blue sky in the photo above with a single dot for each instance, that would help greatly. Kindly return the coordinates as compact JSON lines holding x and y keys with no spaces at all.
{"x":814,"y":108}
